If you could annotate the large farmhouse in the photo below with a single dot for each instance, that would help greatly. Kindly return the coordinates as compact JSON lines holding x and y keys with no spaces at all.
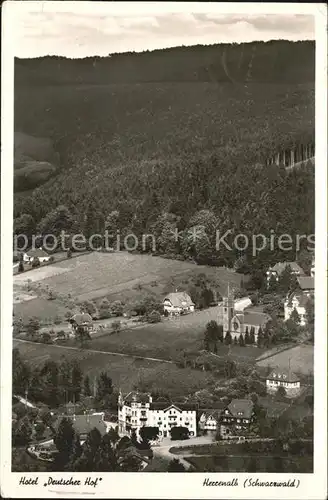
{"x":274,"y":273}
{"x":137,"y":410}
{"x":37,"y":253}
{"x":82,"y":321}
{"x":236,"y":419}
{"x":178,"y":303}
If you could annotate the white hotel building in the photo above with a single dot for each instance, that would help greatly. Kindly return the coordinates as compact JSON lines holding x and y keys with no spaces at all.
{"x":137,"y":410}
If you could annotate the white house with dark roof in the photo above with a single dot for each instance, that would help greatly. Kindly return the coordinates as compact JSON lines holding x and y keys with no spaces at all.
{"x":283,"y":378}
{"x":236,"y":418}
{"x":209,"y":419}
{"x":138,"y":410}
{"x":37,"y":253}
{"x":178,"y":303}
{"x":276,"y":271}
{"x":298,"y":302}
{"x":242,"y":304}
{"x":81,"y":320}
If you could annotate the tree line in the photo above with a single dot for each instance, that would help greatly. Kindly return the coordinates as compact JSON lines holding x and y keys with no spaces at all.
{"x":273,"y":61}
{"x":55,"y":383}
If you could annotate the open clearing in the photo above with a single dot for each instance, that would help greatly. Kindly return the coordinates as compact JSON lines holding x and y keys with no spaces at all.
{"x":300,"y":357}
{"x":45,"y":310}
{"x":164,"y":340}
{"x":125,"y":372}
{"x":97,"y":274}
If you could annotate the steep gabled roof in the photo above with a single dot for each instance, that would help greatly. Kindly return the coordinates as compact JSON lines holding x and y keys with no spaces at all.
{"x":256,"y":318}
{"x":301,"y":299}
{"x":138,"y":397}
{"x":242,"y":408}
{"x":81,"y":319}
{"x":179,"y":299}
{"x":37,"y":252}
{"x":283,"y":375}
{"x":281,"y":266}
{"x":241,"y":304}
{"x":83,"y":424}
{"x":159,"y":405}
{"x":306,"y":282}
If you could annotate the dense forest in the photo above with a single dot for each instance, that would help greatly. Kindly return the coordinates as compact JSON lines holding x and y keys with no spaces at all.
{"x":171,"y":138}
{"x":276,"y":61}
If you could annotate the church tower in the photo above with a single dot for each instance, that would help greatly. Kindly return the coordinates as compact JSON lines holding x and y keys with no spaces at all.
{"x":226,"y":312}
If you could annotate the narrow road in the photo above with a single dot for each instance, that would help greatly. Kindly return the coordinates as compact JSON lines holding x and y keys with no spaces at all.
{"x":24,"y":401}
{"x":94,"y":351}
{"x":164,"y":449}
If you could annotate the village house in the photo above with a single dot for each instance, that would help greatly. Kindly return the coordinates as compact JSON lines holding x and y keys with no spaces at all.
{"x":306,"y":284}
{"x":242,"y":304}
{"x":83,"y":423}
{"x":236,"y":418}
{"x":276,"y":271}
{"x":283,"y":378}
{"x":209,"y":419}
{"x":178,"y":303}
{"x":296,"y":302}
{"x":81,"y":321}
{"x":238,"y":321}
{"x":313,"y":268}
{"x":138,"y":410}
{"x":37,"y":253}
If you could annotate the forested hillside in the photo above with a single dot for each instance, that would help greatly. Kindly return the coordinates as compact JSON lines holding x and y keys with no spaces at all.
{"x":172,"y":137}
{"x":276,"y":61}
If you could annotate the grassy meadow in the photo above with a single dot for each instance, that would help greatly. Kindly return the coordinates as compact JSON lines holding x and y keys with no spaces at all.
{"x":122,"y":275}
{"x":125,"y":372}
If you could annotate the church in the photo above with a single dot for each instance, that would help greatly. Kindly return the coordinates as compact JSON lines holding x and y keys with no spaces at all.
{"x":239,"y":320}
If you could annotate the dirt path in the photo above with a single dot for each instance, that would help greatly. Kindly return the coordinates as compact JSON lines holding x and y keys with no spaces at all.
{"x":94,"y":351}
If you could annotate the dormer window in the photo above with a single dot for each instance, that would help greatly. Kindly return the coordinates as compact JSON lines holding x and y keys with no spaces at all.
{"x":274,"y":375}
{"x":284,"y":376}
{"x":279,"y":376}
